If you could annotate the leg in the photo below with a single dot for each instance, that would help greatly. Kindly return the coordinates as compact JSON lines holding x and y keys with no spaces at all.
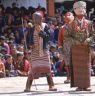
{"x":28,"y":84}
{"x":2,"y":75}
{"x":50,"y":82}
{"x":54,"y":68}
{"x":67,"y":68}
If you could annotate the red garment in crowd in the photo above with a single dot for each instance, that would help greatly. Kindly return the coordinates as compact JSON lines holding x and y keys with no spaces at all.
{"x":22,"y":66}
{"x":26,"y":66}
{"x":61,"y":36}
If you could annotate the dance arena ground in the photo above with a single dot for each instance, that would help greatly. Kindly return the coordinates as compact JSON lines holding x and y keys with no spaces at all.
{"x":14,"y":86}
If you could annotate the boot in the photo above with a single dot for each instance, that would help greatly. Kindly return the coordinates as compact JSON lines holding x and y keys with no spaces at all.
{"x":50,"y":83}
{"x":52,"y":88}
{"x":68,"y":75}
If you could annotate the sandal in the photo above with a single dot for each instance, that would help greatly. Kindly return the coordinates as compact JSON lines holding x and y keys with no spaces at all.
{"x":52,"y":89}
{"x":26,"y":90}
{"x":86,"y":89}
{"x":67,"y":81}
{"x":79,"y":89}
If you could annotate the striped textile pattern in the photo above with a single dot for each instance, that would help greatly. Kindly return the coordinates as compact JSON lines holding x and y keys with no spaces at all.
{"x":81,"y":66}
{"x":40,"y":63}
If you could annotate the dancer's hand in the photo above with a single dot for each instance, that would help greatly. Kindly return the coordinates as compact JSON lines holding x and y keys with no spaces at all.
{"x":60,"y":49}
{"x":87,"y":41}
{"x":38,"y":28}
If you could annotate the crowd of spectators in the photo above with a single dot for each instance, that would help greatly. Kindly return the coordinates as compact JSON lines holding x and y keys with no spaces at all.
{"x":16,"y":40}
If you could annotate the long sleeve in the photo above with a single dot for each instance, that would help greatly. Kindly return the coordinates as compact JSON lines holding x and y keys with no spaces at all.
{"x":61,"y":36}
{"x":91,"y":39}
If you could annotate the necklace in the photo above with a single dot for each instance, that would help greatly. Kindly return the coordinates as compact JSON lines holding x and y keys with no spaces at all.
{"x":80,"y":22}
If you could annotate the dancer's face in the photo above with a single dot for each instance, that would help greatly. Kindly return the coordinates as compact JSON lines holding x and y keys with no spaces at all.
{"x":68,"y":18}
{"x":81,"y":10}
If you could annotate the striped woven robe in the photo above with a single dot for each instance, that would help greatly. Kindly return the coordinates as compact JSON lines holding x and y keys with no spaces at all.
{"x":40,"y":63}
{"x":80,"y":55}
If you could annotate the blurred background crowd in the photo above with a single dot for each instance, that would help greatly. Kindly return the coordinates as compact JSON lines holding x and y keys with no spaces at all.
{"x":16,"y":40}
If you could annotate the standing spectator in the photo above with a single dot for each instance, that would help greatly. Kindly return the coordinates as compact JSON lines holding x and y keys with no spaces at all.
{"x":9,"y":17}
{"x":29,"y":35}
{"x":2,"y":20}
{"x":56,"y":32}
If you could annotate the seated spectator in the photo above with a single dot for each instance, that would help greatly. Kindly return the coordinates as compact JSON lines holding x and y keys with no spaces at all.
{"x":20,"y":48}
{"x":27,"y":55}
{"x":12,"y":38}
{"x":2,"y":67}
{"x":9,"y":67}
{"x":22,"y":65}
{"x":17,"y":37}
{"x":13,"y":50}
{"x":61,"y":69}
{"x":57,"y":66}
{"x":53,"y":58}
{"x":4,"y":44}
{"x":3,"y":51}
{"x":11,"y":44}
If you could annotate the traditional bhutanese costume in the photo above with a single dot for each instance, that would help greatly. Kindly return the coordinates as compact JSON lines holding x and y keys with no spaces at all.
{"x":40,"y":62}
{"x":39,"y":57}
{"x":81,"y":53}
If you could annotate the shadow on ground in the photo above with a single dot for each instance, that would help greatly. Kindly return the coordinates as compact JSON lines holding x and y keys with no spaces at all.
{"x":43,"y":92}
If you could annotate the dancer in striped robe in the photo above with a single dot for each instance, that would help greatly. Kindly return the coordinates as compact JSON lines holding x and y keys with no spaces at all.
{"x":39,"y":57}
